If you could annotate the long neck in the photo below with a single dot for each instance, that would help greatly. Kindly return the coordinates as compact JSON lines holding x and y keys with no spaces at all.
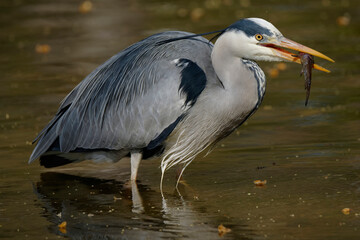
{"x":224,"y":61}
{"x":243,"y":80}
{"x":232,"y":70}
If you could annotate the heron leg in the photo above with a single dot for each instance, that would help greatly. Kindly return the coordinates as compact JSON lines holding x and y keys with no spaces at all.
{"x":136,"y":157}
{"x":137,"y":202}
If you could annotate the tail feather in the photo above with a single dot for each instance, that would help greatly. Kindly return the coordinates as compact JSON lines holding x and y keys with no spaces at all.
{"x":43,"y":145}
{"x":52,"y":122}
{"x":47,"y":137}
{"x":53,"y":160}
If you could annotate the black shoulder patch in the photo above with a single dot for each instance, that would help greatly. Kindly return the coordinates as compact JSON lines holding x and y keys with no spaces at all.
{"x":250,"y":28}
{"x":148,"y":153}
{"x":164,"y":134}
{"x":193,"y":80}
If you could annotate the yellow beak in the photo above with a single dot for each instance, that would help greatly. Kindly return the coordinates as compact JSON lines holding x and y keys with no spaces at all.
{"x":278,"y":49}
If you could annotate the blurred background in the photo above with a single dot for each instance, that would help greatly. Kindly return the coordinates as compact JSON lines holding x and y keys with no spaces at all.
{"x":309,"y":156}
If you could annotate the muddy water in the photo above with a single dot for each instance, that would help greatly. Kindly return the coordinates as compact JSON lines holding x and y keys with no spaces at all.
{"x":309,"y":156}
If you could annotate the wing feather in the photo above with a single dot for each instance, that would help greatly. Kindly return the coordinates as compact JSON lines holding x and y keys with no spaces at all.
{"x":129,"y":101}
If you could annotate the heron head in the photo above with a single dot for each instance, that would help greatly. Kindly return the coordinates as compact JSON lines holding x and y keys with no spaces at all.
{"x":259,"y":40}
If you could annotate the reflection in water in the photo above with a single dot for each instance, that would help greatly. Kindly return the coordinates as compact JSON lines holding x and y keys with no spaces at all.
{"x":108,"y":209}
{"x":316,"y":149}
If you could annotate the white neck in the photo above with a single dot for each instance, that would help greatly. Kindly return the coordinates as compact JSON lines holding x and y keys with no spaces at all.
{"x":239,"y":81}
{"x":225,"y":61}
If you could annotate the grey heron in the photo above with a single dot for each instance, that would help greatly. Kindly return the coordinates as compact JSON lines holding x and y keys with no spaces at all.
{"x":172,"y":95}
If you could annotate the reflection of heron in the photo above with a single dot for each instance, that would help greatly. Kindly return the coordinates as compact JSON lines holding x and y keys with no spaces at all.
{"x":172,"y":94}
{"x":91,"y":211}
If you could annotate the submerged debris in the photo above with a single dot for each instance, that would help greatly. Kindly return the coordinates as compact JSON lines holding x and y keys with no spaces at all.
{"x":42,"y":48}
{"x":117,"y":198}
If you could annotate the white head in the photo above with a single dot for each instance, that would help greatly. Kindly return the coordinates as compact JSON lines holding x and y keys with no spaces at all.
{"x":257,"y":39}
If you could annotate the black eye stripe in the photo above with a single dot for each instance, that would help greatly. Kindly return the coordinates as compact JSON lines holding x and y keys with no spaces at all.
{"x":249,"y":27}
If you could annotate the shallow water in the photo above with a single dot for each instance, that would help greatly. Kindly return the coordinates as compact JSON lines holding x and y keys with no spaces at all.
{"x":309,"y":156}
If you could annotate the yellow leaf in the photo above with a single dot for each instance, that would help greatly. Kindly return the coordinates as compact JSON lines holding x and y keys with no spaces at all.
{"x":346,"y":211}
{"x":260,"y":183}
{"x":223,"y":230}
{"x":62,"y":227}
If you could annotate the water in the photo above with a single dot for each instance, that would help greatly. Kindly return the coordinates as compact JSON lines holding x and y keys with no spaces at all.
{"x":309,"y":155}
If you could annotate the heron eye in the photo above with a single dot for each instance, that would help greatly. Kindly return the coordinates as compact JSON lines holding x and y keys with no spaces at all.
{"x":259,"y":37}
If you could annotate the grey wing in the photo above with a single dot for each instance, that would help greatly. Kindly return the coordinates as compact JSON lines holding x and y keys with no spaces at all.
{"x":134,"y":100}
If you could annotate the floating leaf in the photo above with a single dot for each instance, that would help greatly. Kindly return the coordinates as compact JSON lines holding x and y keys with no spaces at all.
{"x":85,"y":7}
{"x":346,"y":211}
{"x":281,"y":66}
{"x":62,"y":227}
{"x":273,"y":72}
{"x":343,"y":20}
{"x":223,"y":230}
{"x":196,"y":14}
{"x":260,"y":183}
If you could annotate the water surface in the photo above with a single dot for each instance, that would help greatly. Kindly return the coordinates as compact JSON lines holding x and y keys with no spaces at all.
{"x":309,"y":155}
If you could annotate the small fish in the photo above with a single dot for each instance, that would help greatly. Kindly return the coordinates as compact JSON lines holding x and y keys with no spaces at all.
{"x":307,"y":62}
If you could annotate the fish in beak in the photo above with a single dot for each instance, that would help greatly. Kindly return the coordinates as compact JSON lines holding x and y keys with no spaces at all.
{"x":280,"y":45}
